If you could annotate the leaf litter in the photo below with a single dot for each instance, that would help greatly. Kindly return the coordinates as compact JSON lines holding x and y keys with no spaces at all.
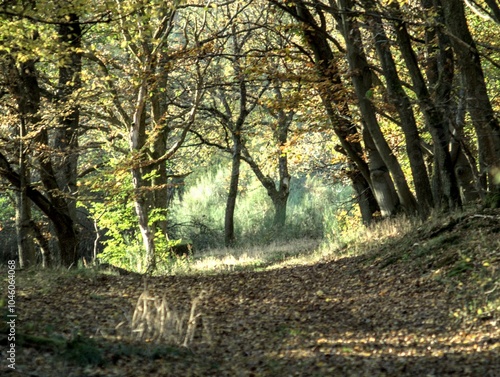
{"x":424,"y":304}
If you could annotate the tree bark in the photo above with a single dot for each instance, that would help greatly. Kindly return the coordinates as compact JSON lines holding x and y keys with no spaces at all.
{"x":26,"y":250}
{"x":236,"y":129}
{"x":478,"y":103}
{"x":142,"y":195}
{"x":440,"y":71}
{"x":24,"y":86}
{"x":26,"y":90}
{"x":381,"y":183}
{"x":51,"y":207}
{"x":229,"y":231}
{"x":446,"y":192}
{"x":403,"y":106}
{"x":278,"y":195}
{"x":66,"y":139}
{"x":368,"y":205}
{"x":465,"y":164}
{"x":334,"y":94}
{"x":160,"y":179}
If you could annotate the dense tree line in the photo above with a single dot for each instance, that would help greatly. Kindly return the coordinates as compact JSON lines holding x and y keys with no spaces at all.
{"x":97,"y":94}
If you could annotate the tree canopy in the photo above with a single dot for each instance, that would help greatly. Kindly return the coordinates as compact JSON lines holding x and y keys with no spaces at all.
{"x":107,"y":106}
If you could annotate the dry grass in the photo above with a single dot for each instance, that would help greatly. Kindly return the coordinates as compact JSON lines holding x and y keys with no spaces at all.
{"x":155,"y":320}
{"x":255,"y":257}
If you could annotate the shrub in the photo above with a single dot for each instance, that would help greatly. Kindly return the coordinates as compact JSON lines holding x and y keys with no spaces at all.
{"x":312,"y":208}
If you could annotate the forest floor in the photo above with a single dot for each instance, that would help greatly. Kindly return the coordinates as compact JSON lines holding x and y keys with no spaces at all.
{"x":424,"y":303}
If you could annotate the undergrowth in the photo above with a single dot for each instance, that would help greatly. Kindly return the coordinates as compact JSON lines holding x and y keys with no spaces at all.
{"x":461,"y":250}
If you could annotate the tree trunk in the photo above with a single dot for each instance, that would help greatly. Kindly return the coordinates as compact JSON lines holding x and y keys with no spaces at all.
{"x":478,"y":103}
{"x":402,"y":103}
{"x":464,"y":162}
{"x":440,"y":71}
{"x":50,"y":206}
{"x":142,"y":208}
{"x":142,"y":193}
{"x":66,"y":139}
{"x":446,"y":193}
{"x":236,"y":129}
{"x":67,"y":239}
{"x":368,"y":205}
{"x":229,"y":233}
{"x":279,"y":195}
{"x":279,"y":203}
{"x":162,"y":132}
{"x":27,"y":93}
{"x":28,"y":104}
{"x":26,"y":250}
{"x":382,"y":185}
{"x":333,"y":93}
{"x":386,"y":162}
{"x":280,"y":198}
{"x":43,"y":244}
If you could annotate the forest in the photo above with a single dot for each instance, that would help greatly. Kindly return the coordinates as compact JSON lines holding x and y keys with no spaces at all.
{"x":344,"y":153}
{"x":113,"y":112}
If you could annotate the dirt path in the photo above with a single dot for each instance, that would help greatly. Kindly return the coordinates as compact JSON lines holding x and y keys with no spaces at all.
{"x":348,"y":317}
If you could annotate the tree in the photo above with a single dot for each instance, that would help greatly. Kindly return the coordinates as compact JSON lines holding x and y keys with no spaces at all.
{"x":383,"y":160}
{"x":478,"y":102}
{"x":231,"y":105}
{"x":258,"y":107}
{"x":281,"y":125}
{"x":405,"y":90}
{"x":23,"y":83}
{"x":333,"y":94}
{"x":151,"y":98}
{"x":401,"y":101}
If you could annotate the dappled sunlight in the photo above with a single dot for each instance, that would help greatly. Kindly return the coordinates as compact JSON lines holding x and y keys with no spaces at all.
{"x":399,"y":343}
{"x":395,"y":311}
{"x":273,"y":256}
{"x":220,"y":261}
{"x":391,"y":354}
{"x":250,"y":188}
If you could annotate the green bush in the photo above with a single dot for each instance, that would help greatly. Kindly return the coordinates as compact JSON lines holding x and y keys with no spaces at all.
{"x":311,"y":212}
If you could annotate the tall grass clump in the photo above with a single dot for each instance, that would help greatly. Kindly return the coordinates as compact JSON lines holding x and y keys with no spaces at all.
{"x":200,"y":215}
{"x":155,"y":319}
{"x":197,"y":216}
{"x":354,"y":238}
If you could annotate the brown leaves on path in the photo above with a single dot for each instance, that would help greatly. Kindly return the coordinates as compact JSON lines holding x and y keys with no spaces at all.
{"x":354,"y":316}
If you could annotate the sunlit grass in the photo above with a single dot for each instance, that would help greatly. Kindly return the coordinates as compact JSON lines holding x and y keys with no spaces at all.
{"x":278,"y":254}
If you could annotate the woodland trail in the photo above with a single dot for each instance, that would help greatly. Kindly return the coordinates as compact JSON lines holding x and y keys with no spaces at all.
{"x":384,"y":313}
{"x":342,"y":318}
